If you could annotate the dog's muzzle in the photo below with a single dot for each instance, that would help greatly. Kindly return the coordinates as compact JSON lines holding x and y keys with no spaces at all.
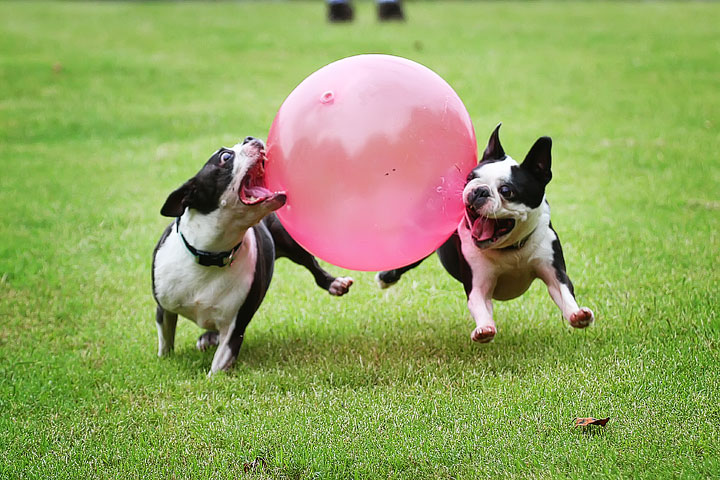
{"x":477,"y":198}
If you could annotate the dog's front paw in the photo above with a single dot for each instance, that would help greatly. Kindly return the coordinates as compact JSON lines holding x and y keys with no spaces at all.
{"x":207,"y":340}
{"x":164,"y":351}
{"x":483,"y":334}
{"x":582,"y":318}
{"x":340,"y":286}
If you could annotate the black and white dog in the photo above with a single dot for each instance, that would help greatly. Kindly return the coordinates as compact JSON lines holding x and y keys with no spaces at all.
{"x":213,"y":265}
{"x":506,"y":239}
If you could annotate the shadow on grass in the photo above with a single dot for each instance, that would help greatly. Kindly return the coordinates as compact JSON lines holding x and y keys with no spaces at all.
{"x":382,"y":357}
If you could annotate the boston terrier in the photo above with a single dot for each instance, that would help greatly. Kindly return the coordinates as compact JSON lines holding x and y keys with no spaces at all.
{"x":505,"y":240}
{"x":214,"y":263}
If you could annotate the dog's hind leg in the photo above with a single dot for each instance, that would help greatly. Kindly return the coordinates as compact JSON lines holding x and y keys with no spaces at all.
{"x":207,"y":340}
{"x":450,"y":256}
{"x":166,"y":323}
{"x":336,"y":286}
{"x":388,"y":278}
{"x":286,"y":246}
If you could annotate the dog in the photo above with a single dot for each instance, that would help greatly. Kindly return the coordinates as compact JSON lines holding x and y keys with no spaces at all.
{"x":505,"y":240}
{"x":214,"y":263}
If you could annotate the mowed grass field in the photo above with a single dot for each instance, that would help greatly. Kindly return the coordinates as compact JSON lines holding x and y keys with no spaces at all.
{"x":107,"y":107}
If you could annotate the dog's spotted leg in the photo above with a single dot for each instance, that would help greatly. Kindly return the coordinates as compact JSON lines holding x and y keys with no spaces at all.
{"x":207,"y":340}
{"x":166,"y":323}
{"x":561,"y":288}
{"x":229,"y":343}
{"x":481,"y":309}
{"x":231,"y":336}
{"x":564,"y":297}
{"x":224,"y":355}
{"x":477,"y":282}
{"x":222,"y":360}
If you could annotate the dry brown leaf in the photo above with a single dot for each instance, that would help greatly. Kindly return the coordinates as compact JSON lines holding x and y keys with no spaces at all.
{"x":584,"y":422}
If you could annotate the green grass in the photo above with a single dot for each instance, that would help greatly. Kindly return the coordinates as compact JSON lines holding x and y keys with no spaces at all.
{"x":107,"y":107}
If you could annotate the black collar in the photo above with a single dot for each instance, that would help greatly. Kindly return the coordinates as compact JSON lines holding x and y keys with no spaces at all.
{"x":520,"y":244}
{"x":208,"y":259}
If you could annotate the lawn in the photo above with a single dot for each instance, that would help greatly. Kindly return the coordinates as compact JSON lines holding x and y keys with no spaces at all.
{"x":107,"y":107}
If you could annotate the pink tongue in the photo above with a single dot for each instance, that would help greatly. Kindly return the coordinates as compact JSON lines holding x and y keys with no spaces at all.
{"x":257,"y":192}
{"x":483,"y":229}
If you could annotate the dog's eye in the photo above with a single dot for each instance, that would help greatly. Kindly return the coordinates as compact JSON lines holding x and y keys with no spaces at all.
{"x":225,"y":157}
{"x":470,"y":176}
{"x":506,"y":191}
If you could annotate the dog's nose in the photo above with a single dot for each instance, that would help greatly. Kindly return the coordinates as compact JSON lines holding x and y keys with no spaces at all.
{"x":248,"y":139}
{"x":479,"y":196}
{"x":480,"y":193}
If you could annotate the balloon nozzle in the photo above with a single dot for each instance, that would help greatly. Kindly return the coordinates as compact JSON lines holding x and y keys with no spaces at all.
{"x":327,"y":97}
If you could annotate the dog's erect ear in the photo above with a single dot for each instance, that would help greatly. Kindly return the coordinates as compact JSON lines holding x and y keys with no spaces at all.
{"x":537,"y":161}
{"x":494,"y":150}
{"x":178,"y":200}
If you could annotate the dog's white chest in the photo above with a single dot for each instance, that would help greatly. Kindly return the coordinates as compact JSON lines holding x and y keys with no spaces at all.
{"x":507,"y":274}
{"x":209,"y":296}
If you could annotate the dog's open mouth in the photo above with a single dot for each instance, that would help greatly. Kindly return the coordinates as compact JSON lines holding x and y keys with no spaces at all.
{"x":252,"y":188}
{"x":485,"y":230}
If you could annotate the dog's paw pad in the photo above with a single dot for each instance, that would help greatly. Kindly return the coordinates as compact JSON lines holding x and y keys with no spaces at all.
{"x":340,"y":286}
{"x":483,"y":334}
{"x":207,"y":340}
{"x":582,"y":318}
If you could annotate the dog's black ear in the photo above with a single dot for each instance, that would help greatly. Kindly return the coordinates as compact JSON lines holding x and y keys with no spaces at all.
{"x":538,"y":160}
{"x":494,"y":150}
{"x":178,"y":200}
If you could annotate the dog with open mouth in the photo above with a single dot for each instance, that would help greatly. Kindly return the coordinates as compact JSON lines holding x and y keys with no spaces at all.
{"x":505,"y":240}
{"x":214,"y":263}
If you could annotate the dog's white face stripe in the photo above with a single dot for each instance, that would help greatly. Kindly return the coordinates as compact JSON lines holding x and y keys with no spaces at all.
{"x":202,"y":229}
{"x":494,"y":178}
{"x":242,"y":163}
{"x":492,"y":175}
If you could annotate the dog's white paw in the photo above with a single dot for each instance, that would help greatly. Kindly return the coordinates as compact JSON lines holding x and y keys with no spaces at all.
{"x":382,"y":284}
{"x":340,"y":286}
{"x":164,"y":351}
{"x":582,"y":318}
{"x":483,"y":334}
{"x":207,"y":340}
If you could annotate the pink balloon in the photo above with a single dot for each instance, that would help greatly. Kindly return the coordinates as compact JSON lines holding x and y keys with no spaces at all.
{"x":373,"y":152}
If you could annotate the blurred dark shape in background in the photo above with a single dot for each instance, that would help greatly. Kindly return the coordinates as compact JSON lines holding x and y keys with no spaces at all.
{"x":342,"y":11}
